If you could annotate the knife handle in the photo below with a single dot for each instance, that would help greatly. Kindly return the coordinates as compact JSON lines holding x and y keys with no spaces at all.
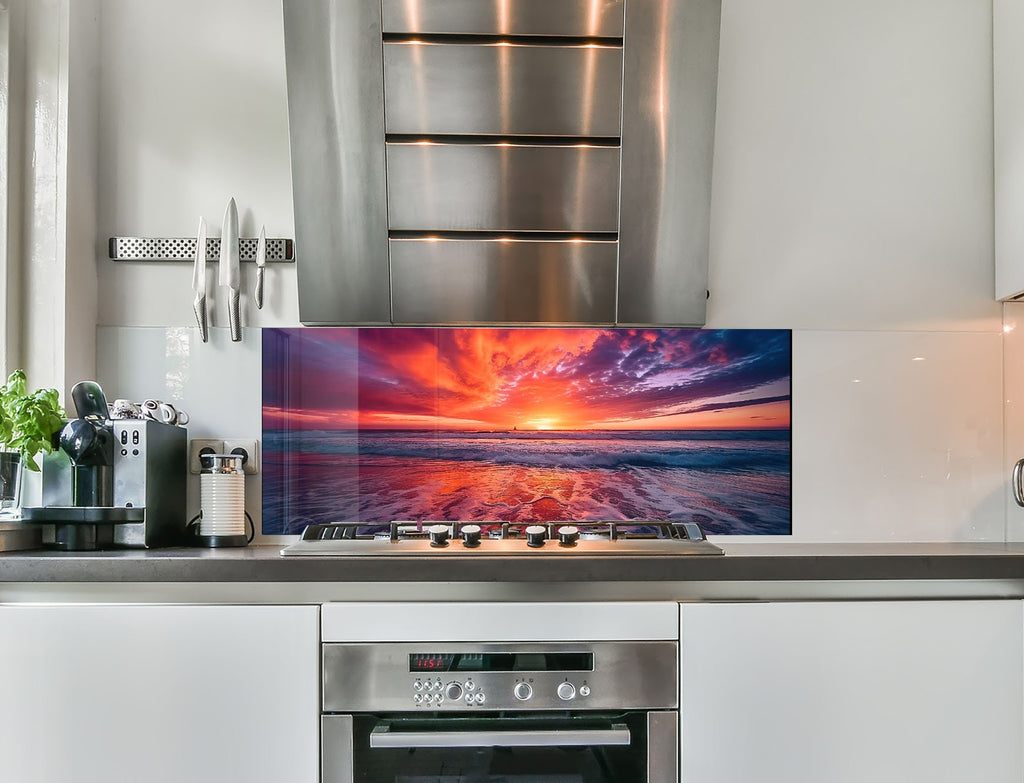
{"x":258,"y":294}
{"x":234,"y":317}
{"x":199,"y":306}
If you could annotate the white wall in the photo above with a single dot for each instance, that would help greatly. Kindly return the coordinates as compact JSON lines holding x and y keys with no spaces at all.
{"x":193,"y":112}
{"x":852,"y":203}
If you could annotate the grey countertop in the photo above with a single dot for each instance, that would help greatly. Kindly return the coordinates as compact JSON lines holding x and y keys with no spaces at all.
{"x":747,"y":562}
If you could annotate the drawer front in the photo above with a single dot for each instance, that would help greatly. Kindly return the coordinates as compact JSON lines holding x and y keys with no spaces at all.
{"x":597,"y":18}
{"x":502,"y":89}
{"x":502,"y":187}
{"x":511,"y":281}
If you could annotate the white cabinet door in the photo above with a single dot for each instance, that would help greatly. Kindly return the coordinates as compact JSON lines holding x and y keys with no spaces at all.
{"x":1008,"y":128}
{"x":858,"y":692}
{"x":161,"y":694}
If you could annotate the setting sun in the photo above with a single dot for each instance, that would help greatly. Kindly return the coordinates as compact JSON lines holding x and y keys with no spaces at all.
{"x":541,"y":424}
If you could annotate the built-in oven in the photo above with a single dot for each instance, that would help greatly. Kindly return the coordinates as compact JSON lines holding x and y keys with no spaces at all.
{"x":517,"y":712}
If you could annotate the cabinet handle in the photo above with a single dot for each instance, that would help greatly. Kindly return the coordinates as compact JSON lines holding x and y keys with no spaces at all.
{"x":1018,"y":487}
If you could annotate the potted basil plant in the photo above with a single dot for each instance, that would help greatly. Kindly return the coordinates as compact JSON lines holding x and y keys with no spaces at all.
{"x":28,"y":423}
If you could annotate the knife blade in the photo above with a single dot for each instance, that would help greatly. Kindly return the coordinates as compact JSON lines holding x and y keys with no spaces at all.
{"x":199,"y":282}
{"x":261,"y":262}
{"x":229,"y":272}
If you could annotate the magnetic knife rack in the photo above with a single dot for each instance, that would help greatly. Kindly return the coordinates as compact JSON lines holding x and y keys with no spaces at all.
{"x":279,"y":251}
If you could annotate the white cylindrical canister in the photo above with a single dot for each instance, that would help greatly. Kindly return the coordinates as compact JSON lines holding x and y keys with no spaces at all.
{"x":222,"y":495}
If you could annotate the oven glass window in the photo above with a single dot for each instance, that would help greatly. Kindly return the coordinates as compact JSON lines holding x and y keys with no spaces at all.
{"x":486,"y":761}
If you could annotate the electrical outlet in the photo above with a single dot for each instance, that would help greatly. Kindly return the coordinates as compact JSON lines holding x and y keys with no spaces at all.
{"x":250,"y":451}
{"x":199,"y":446}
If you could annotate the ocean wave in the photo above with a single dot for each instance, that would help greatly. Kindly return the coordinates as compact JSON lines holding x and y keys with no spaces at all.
{"x":750,"y":504}
{"x":610,"y":451}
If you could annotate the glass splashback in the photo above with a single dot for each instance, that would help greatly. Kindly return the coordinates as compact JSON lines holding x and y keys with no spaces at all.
{"x":381,"y":424}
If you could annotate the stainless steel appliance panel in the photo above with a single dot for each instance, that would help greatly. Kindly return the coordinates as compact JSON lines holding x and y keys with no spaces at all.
{"x":336,"y":749}
{"x":150,"y":464}
{"x":336,"y":124}
{"x":512,"y":281}
{"x":502,"y":89}
{"x":596,"y":18}
{"x":502,"y":187}
{"x":376,"y":678}
{"x":662,"y":746}
{"x":671,"y":66}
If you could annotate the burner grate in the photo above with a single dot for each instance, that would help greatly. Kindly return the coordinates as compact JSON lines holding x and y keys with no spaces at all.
{"x":503,"y":539}
{"x":494,"y":529}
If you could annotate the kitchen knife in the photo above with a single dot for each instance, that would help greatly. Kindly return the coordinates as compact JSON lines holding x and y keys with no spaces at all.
{"x":229,"y":274}
{"x":261,"y":262}
{"x":199,"y":281}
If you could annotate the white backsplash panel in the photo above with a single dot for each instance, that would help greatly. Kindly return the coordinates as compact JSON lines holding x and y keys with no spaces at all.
{"x":1013,"y":394}
{"x":897,"y":436}
{"x":217,"y":383}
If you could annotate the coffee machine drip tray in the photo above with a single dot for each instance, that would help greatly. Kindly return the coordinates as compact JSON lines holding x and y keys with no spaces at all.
{"x":92,"y":515}
{"x":77,"y":528}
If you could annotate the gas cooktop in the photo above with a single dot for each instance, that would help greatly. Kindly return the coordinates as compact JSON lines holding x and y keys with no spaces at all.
{"x":459,"y":539}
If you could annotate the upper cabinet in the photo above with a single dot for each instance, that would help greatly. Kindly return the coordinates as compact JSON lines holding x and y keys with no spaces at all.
{"x":515,"y":161}
{"x":1008,"y":125}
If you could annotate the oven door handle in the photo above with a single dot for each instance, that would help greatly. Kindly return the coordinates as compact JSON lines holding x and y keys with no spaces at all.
{"x":383,"y":737}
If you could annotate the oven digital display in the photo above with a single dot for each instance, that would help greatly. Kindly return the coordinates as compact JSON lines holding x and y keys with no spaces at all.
{"x":502,"y":662}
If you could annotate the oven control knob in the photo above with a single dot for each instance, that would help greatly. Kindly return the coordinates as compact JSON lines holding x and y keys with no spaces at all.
{"x":535,"y":535}
{"x":438,"y":535}
{"x":566,"y":691}
{"x":584,"y":690}
{"x":522,"y":691}
{"x":453,"y":691}
{"x":568,"y":535}
{"x":470,"y":535}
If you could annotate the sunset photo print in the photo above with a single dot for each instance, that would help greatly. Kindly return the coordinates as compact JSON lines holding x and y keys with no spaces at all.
{"x":526,"y":425}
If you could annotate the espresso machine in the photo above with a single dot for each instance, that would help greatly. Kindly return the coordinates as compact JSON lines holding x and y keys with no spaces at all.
{"x":112,"y":482}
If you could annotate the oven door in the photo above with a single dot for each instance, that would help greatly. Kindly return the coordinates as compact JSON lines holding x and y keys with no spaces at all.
{"x":630,"y":747}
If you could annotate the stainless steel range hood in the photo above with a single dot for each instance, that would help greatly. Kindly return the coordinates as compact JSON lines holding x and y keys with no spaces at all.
{"x":502,"y":161}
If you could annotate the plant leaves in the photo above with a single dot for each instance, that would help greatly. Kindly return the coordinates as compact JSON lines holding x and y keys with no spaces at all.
{"x":28,"y":422}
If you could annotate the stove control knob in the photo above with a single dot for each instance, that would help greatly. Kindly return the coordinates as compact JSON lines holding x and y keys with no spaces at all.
{"x":566,"y":691}
{"x":568,"y":535}
{"x":453,"y":692}
{"x":438,"y":535}
{"x":522,"y":691}
{"x":535,"y":535}
{"x":470,"y":535}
